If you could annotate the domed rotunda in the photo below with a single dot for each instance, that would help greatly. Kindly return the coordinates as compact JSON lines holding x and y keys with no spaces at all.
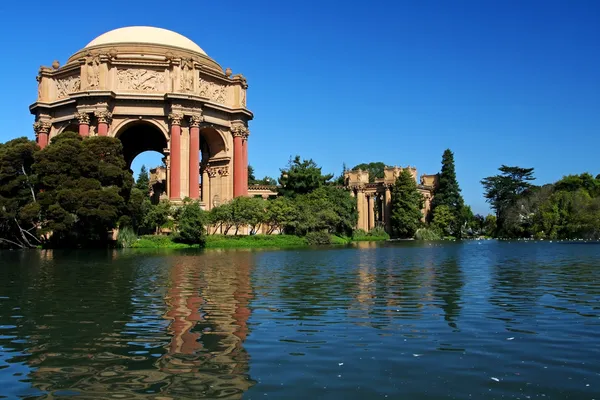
{"x":154,"y":89}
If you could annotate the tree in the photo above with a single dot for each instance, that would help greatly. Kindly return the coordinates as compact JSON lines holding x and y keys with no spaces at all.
{"x":375,"y":169}
{"x":190,"y":224}
{"x":143,"y":181}
{"x":247,"y":211}
{"x":251,"y":177}
{"x":503,"y":190}
{"x":267,"y":181}
{"x":489,"y":225}
{"x":84,"y":188}
{"x":301,"y":177}
{"x":406,"y":206}
{"x":158,"y":215}
{"x":19,"y":209}
{"x":443,"y":220}
{"x":447,"y":193}
{"x":281,"y":214}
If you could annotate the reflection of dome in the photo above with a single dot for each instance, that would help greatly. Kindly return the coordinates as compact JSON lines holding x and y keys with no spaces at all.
{"x":145,"y":35}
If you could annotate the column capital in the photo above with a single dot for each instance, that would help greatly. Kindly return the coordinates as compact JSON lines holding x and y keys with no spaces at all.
{"x":83,"y":118}
{"x":239,"y":130}
{"x":41,"y":127}
{"x":175,"y":118}
{"x":104,"y":116}
{"x":196,"y":120}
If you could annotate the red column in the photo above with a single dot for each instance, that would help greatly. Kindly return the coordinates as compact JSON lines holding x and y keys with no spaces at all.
{"x":195,"y":156}
{"x":103,"y":120}
{"x":245,"y":147}
{"x":42,"y":130}
{"x":175,"y":192}
{"x":84,"y":130}
{"x":84,"y":124}
{"x":238,"y":162}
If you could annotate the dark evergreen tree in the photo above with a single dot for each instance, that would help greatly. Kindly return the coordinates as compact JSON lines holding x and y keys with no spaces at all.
{"x":502,"y":191}
{"x":447,"y":193}
{"x":406,"y":206}
{"x":19,"y":209}
{"x":251,"y":177}
{"x":84,"y":188}
{"x":301,"y":177}
{"x":143,"y":181}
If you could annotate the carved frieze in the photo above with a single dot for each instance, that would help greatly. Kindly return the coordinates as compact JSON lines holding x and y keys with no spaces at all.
{"x":67,"y":85}
{"x":239,"y":130}
{"x":142,"y":80}
{"x":212,"y":91}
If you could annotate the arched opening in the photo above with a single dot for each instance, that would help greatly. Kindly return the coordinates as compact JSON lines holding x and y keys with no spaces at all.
{"x":214,"y":150}
{"x":144,"y":144}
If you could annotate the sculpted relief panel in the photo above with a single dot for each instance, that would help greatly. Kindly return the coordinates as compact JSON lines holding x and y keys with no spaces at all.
{"x":65,"y":86}
{"x":142,"y":80}
{"x":212,"y":90}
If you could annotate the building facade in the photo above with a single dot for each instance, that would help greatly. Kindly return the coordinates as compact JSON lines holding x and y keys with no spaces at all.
{"x":374,"y":199}
{"x":154,"y":90}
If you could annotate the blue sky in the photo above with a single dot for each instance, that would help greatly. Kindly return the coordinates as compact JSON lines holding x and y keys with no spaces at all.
{"x":498,"y":82}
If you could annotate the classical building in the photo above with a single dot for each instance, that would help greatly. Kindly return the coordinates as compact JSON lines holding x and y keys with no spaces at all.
{"x":154,"y":90}
{"x":374,"y":199}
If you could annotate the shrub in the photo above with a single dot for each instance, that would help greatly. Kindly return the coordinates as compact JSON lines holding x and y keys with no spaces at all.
{"x":318,"y":238}
{"x":426,"y":234}
{"x":126,"y":238}
{"x":191,"y":225}
{"x":379,"y":232}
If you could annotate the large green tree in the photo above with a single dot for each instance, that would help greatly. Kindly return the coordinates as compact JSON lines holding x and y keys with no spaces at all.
{"x":375,"y":170}
{"x":301,"y":177}
{"x":143,"y":181}
{"x":447,"y":193}
{"x":84,"y":188}
{"x":19,"y":209}
{"x":503,"y":190}
{"x":406,"y":206}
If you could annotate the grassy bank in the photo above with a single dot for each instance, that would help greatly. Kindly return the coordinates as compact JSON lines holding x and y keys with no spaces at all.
{"x":235,"y":242}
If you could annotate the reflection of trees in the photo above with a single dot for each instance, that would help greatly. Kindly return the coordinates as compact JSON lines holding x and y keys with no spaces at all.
{"x":447,"y":287}
{"x":97,"y":326}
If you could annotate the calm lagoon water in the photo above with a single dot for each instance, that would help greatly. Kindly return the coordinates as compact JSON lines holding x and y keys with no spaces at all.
{"x":480,"y":320}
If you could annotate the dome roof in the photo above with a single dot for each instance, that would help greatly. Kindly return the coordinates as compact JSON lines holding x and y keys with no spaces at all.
{"x":146,"y":35}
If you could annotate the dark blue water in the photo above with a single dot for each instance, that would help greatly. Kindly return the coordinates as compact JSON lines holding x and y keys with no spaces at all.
{"x":489,"y":320}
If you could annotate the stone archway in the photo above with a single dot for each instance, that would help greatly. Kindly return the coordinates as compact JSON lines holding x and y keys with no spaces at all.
{"x":140,"y":136}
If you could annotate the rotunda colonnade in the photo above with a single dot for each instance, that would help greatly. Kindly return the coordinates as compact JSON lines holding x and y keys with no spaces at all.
{"x":154,"y":90}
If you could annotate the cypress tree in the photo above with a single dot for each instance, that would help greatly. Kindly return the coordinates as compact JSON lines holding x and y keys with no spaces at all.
{"x":406,"y":206}
{"x":447,"y":193}
{"x":143,"y":181}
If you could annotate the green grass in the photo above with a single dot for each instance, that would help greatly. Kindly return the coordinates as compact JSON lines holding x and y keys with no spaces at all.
{"x":241,"y":241}
{"x":254,"y":241}
{"x":159,"y":242}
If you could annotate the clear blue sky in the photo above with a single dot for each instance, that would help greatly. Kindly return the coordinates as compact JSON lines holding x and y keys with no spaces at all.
{"x":498,"y":82}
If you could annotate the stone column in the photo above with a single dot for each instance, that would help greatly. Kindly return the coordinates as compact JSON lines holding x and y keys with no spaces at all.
{"x":205,"y":189}
{"x":372,"y":211}
{"x":84,"y":124}
{"x":195,"y":121}
{"x":175,"y":193}
{"x":42,"y":131}
{"x":104,"y":118}
{"x":238,"y":160}
{"x":360,"y":198}
{"x":387,"y":206}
